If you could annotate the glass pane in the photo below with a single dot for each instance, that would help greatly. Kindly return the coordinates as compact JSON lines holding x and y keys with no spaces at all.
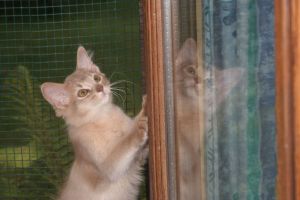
{"x":224,"y":74}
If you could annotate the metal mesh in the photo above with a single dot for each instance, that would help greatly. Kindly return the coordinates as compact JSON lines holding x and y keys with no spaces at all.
{"x":38,"y":43}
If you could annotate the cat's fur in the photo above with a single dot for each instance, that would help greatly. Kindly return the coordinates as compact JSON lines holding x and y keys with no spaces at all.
{"x":110,"y":147}
{"x":189,"y":95}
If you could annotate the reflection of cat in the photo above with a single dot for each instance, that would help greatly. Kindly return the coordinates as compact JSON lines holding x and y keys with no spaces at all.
{"x":189,"y":93}
{"x":109,"y":147}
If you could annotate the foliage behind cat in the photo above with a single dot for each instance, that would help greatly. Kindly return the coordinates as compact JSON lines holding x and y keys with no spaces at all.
{"x":109,"y":146}
{"x":189,"y":94}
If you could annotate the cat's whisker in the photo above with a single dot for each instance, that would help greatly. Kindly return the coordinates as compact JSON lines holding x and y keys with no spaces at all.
{"x":117,"y":82}
{"x":112,"y":75}
{"x":118,"y":89}
{"x":121,"y":98}
{"x":119,"y":93}
{"x":116,"y":92}
{"x":121,"y":81}
{"x":115,"y":72}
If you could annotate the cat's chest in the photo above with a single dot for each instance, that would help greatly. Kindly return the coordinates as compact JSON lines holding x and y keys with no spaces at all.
{"x":188,"y":130}
{"x":103,"y":133}
{"x":188,"y":120}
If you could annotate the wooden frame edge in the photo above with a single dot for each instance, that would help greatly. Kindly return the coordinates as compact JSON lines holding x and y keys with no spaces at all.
{"x":153,"y":54}
{"x":287,"y":29}
{"x":295,"y":32}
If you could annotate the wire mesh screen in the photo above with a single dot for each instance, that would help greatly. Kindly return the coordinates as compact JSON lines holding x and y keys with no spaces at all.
{"x":38,"y":43}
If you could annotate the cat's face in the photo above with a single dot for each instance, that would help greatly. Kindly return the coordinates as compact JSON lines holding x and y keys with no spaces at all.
{"x":88,"y":90}
{"x":187,"y":76}
{"x":83,"y":92}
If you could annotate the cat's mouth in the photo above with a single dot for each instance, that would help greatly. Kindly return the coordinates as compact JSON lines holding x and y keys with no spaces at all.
{"x":193,"y":88}
{"x":106,"y":90}
{"x":101,"y":94}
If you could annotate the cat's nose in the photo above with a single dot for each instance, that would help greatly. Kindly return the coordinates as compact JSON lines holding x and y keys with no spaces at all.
{"x":196,"y":80}
{"x":99,"y":88}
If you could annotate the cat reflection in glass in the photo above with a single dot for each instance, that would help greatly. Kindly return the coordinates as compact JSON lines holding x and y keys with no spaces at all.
{"x":110,"y":147}
{"x":189,"y":91}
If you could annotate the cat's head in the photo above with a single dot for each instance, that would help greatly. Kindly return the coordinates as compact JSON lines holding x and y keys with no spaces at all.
{"x":189,"y":76}
{"x":188,"y":79}
{"x":83,"y":94}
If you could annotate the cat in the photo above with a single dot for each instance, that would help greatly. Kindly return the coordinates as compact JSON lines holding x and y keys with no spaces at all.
{"x":189,"y":91}
{"x":110,"y":147}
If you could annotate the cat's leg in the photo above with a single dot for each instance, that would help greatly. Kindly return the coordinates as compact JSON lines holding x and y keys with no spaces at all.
{"x":132,"y":148}
{"x":112,"y":162}
{"x":143,"y":155}
{"x":144,"y":152}
{"x":127,"y":151}
{"x":143,"y":121}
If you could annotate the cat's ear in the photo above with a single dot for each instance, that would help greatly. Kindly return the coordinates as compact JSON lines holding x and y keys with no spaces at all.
{"x":56,"y":95}
{"x":225,"y":81}
{"x":187,"y":53}
{"x":84,"y":61}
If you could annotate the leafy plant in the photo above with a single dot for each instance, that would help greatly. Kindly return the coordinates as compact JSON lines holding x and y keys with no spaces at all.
{"x":40,"y":175}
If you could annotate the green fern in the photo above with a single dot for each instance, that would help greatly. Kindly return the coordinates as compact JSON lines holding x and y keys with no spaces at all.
{"x":31,"y":120}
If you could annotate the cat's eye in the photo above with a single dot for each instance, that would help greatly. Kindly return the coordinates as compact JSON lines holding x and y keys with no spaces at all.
{"x":83,"y":92}
{"x":191,"y":70}
{"x":97,"y":78}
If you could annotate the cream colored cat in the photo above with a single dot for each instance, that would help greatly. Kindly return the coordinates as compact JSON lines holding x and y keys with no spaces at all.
{"x":189,"y":93}
{"x":110,"y":147}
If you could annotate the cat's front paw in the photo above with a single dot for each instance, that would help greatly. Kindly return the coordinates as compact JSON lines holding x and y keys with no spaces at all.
{"x":144,"y":102}
{"x":143,"y":154}
{"x":142,"y":132}
{"x":142,"y":125}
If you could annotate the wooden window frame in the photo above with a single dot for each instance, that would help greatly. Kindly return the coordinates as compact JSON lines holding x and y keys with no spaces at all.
{"x":156,"y":107}
{"x":287,"y":35}
{"x":287,"y":46}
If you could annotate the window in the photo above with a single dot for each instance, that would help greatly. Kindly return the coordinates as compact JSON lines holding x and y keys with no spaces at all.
{"x":246,"y":114}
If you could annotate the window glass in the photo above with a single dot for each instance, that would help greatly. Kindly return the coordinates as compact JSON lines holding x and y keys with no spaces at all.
{"x":225,"y":99}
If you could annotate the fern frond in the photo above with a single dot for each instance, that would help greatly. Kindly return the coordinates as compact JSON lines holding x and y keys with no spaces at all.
{"x":26,"y":109}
